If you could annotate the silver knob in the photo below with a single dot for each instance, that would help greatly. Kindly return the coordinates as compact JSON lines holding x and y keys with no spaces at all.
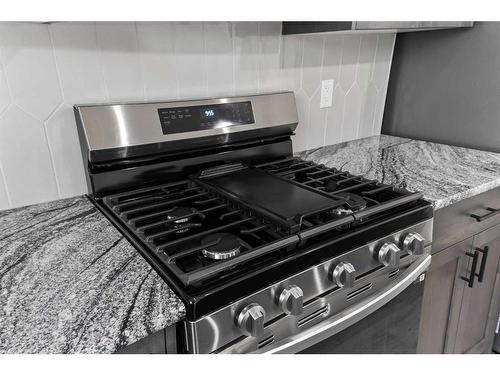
{"x":414,"y":243}
{"x":251,"y":320}
{"x":291,"y":300}
{"x":344,"y":274}
{"x":389,"y":254}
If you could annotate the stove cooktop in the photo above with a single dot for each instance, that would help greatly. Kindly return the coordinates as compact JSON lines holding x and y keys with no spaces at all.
{"x":223,"y":222}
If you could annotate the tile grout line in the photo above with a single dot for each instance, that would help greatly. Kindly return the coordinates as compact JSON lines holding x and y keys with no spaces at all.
{"x":374,"y":84}
{"x":98,"y":47}
{"x":2,"y":72}
{"x":344,"y":92}
{"x":52,"y":114}
{"x":205,"y":65}
{"x":357,"y":84}
{"x":141,"y":63}
{"x":260,"y":58}
{"x":320,"y":83}
{"x":4,"y":180}
{"x":233,"y":55}
{"x":384,"y":93}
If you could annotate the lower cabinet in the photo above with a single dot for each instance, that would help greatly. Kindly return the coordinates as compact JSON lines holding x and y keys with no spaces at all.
{"x":462,"y":296}
{"x":480,"y":302}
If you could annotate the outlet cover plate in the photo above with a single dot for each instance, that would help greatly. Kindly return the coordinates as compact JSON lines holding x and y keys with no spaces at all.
{"x":327,"y":86}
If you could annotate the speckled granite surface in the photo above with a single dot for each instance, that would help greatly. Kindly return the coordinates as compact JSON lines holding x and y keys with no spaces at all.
{"x":445,"y":174}
{"x":70,"y":283}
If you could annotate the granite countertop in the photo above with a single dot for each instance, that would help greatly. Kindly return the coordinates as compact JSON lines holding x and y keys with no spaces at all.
{"x":445,"y":174}
{"x":71,"y":283}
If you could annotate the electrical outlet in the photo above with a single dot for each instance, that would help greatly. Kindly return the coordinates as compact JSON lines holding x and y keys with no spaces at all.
{"x":326,"y":93}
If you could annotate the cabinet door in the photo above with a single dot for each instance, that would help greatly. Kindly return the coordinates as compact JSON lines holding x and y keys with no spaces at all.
{"x":480,"y":304}
{"x":442,"y":297}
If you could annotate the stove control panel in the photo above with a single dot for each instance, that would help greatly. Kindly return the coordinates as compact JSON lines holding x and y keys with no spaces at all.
{"x":202,"y":117}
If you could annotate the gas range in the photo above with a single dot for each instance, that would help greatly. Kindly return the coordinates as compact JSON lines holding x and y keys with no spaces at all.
{"x":263,"y":248}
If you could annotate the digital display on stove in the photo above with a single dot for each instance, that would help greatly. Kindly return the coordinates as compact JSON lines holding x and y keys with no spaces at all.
{"x":208,"y":113}
{"x":215,"y":116}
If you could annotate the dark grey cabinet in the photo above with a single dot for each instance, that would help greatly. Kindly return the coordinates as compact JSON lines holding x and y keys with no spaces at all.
{"x":308,"y":27}
{"x":480,"y":303}
{"x":442,"y":297}
{"x":459,"y":316}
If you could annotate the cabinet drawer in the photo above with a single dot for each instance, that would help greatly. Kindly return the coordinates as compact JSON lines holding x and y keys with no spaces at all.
{"x":454,"y":223}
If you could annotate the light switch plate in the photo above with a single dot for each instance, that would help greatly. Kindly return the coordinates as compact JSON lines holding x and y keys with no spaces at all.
{"x":326,"y":93}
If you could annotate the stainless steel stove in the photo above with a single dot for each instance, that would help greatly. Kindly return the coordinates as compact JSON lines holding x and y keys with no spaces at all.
{"x":270,"y":253}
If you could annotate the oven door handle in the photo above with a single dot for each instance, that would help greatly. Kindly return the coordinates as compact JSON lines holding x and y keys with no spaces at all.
{"x":351,"y":315}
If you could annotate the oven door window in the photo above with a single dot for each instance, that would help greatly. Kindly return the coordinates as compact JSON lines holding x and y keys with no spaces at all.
{"x":392,"y":329}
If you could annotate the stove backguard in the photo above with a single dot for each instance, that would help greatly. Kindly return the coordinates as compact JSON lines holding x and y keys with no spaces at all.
{"x":134,"y":145}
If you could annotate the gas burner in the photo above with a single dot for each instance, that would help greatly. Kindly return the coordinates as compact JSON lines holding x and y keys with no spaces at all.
{"x":177,"y":215}
{"x":221,"y":246}
{"x":354,"y":203}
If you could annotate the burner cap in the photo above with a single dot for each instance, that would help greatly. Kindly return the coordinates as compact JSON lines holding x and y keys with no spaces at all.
{"x":353,"y":201}
{"x":221,"y":246}
{"x":179,"y":212}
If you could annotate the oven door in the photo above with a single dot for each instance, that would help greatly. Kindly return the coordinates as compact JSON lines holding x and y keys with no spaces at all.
{"x":385,"y":322}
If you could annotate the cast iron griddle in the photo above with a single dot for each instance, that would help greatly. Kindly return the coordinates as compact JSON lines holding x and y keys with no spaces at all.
{"x":259,"y":189}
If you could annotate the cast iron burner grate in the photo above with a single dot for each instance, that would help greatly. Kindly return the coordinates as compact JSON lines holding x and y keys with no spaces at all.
{"x":182,"y":222}
{"x":363,"y":198}
{"x":177,"y":221}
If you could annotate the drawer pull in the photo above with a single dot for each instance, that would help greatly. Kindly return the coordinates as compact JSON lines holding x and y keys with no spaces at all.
{"x":470,"y":279}
{"x":492,"y":212}
{"x":482,"y":267}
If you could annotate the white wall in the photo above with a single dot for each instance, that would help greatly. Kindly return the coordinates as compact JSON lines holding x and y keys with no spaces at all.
{"x":45,"y":69}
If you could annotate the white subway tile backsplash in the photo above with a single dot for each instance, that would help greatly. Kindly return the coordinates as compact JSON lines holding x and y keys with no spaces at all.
{"x":271,"y":77}
{"x":156,"y":46}
{"x":45,"y":69}
{"x":292,"y":47}
{"x":301,"y":138}
{"x":117,"y":42}
{"x":335,"y":117}
{"x":4,"y":91}
{"x":311,"y":63}
{"x":352,"y":113}
{"x":368,"y":111}
{"x":219,"y":58}
{"x":332,"y":56}
{"x":246,"y":57}
{"x":189,"y":62}
{"x":349,"y":61}
{"x":4,"y":196}
{"x":78,"y":62}
{"x":383,"y":59}
{"x":65,"y":148}
{"x":366,"y":60}
{"x":26,"y":160}
{"x":29,"y":65}
{"x":317,"y":122}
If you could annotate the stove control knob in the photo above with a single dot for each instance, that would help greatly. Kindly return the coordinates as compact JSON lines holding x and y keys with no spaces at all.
{"x":389,"y":254}
{"x":413,"y":243}
{"x":291,"y":300}
{"x":251,"y":320}
{"x":343,"y":274}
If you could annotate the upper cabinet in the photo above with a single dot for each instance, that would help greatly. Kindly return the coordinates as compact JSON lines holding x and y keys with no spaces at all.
{"x":340,"y":26}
